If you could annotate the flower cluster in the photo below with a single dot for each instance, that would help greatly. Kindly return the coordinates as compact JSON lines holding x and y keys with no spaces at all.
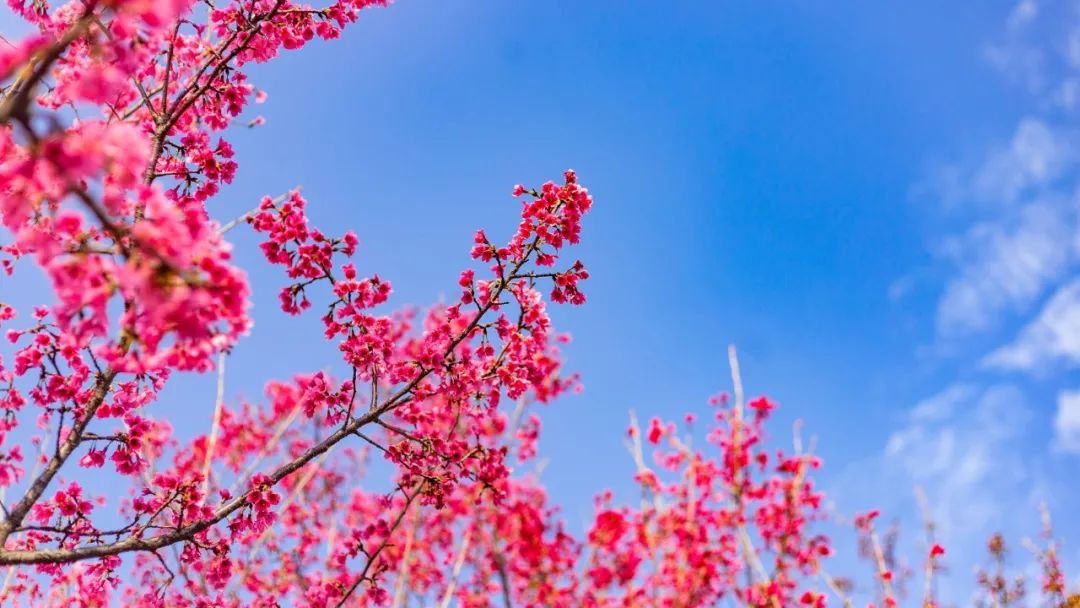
{"x":114,"y":208}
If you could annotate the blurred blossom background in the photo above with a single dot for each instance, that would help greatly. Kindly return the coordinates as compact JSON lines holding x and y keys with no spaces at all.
{"x":876,"y":202}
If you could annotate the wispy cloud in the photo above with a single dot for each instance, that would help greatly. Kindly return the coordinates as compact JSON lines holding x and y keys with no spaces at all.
{"x":968,"y":448}
{"x":1036,"y":156}
{"x":1051,"y":339}
{"x":1006,"y":254}
{"x":1020,"y":195}
{"x":1045,"y":65}
{"x":963,"y":447}
{"x":1022,"y":14}
{"x":1003,"y":266}
{"x":941,"y":406}
{"x":1015,"y":56}
{"x":1067,"y":422}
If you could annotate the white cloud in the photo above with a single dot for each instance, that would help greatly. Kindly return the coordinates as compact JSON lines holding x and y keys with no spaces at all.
{"x":1022,"y":14}
{"x":1003,"y":266}
{"x":963,"y":447}
{"x":942,"y":405}
{"x":1053,"y":337}
{"x":1066,"y":94}
{"x":1040,"y":50}
{"x":968,"y":448}
{"x":1067,"y":422}
{"x":1020,"y":62}
{"x":1035,"y":157}
{"x":1072,"y":47}
{"x":1012,"y":212}
{"x":1019,"y":195}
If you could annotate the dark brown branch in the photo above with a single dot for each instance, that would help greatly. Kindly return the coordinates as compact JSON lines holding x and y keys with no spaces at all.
{"x":18,"y":100}
{"x":184,"y":101}
{"x":375,"y":554}
{"x":189,"y":531}
{"x":37,"y":488}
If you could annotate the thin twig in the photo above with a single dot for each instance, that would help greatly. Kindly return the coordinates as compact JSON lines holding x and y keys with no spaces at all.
{"x":831,"y":583}
{"x":458,"y":563}
{"x":265,"y":451}
{"x":219,"y":404}
{"x":300,"y":485}
{"x":375,"y":554}
{"x":401,"y":590}
{"x":634,"y":446}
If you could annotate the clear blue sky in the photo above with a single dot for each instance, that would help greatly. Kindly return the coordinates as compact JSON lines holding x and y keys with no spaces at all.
{"x":876,"y":202}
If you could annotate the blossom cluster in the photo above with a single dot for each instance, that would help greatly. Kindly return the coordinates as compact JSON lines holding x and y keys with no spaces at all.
{"x":112,"y":155}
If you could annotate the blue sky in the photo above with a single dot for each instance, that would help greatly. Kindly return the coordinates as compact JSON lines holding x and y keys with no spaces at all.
{"x":876,"y":202}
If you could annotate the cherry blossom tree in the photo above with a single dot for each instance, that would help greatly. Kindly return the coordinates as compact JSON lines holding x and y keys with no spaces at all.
{"x":112,"y":154}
